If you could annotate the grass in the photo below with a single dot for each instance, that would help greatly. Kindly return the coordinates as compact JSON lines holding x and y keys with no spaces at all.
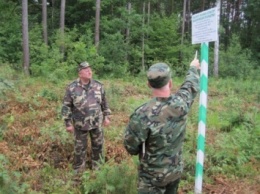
{"x":32,"y":133}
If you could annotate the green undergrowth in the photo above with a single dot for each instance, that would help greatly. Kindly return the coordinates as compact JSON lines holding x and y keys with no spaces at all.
{"x":10,"y":181}
{"x":30,"y":117}
{"x":111,"y":178}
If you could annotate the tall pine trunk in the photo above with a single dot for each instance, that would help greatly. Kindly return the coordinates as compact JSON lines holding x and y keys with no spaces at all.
{"x":216,"y":45}
{"x":143,"y":23}
{"x":62,"y":25}
{"x":44,"y":21}
{"x":128,"y":26}
{"x":129,"y":7}
{"x":26,"y":56}
{"x":97,"y":23}
{"x":183,"y":21}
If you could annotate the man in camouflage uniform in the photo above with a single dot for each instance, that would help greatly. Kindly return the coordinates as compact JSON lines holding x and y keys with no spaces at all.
{"x":84,"y":110}
{"x":156,"y":130}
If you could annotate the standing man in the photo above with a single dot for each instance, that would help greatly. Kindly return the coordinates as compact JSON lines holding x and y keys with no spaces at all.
{"x":156,"y":130}
{"x":84,"y":110}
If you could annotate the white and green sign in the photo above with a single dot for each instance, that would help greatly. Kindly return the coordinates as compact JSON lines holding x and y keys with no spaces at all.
{"x":204,"y":26}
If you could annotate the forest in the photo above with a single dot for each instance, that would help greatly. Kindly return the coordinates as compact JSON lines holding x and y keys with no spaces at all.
{"x":43,"y":41}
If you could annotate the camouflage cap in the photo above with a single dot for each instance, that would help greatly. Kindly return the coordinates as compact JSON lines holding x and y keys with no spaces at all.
{"x":158,"y":75}
{"x":83,"y":65}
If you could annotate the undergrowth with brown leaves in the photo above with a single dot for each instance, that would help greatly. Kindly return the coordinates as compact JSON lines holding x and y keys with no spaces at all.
{"x":35,"y":145}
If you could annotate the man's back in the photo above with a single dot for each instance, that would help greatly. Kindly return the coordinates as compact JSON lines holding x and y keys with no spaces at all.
{"x":156,"y":131}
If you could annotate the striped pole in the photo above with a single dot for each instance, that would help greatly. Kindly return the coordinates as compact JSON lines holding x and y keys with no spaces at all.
{"x":202,"y":117}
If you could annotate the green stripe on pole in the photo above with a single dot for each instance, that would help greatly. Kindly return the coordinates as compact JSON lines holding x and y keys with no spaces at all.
{"x":201,"y":145}
{"x":204,"y":52}
{"x":202,"y":113}
{"x":204,"y":83}
{"x":200,"y":170}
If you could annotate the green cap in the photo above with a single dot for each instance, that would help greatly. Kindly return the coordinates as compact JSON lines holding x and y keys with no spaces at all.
{"x":158,"y":75}
{"x":83,"y":65}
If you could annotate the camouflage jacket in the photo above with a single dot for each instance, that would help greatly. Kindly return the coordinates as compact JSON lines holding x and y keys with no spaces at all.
{"x":156,"y":131}
{"x":85,"y":106}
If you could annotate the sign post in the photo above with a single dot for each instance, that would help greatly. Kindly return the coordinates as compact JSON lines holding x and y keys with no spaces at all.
{"x":204,"y":26}
{"x":204,"y":30}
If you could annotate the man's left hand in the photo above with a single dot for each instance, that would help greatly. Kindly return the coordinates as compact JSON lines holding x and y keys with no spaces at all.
{"x":106,"y":121}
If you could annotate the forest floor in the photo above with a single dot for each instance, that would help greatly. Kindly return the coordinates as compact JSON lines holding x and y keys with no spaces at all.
{"x":26,"y":149}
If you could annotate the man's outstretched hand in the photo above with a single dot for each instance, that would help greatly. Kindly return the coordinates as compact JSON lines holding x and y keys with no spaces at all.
{"x":195,"y":63}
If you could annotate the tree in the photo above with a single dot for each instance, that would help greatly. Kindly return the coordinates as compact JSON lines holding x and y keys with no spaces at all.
{"x":62,"y":23}
{"x":97,"y":21}
{"x":129,"y":5}
{"x":216,"y":45}
{"x":26,"y":56}
{"x":62,"y":15}
{"x":250,"y":27}
{"x":143,"y":36}
{"x":183,"y":21}
{"x":44,"y":21}
{"x":10,"y":32}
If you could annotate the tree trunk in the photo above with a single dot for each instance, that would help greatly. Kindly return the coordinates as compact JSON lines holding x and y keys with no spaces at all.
{"x":26,"y":57}
{"x":44,"y":21}
{"x":172,"y":7}
{"x":97,"y":23}
{"x":52,"y":15}
{"x":62,"y":24}
{"x":129,"y":7}
{"x":203,"y":5}
{"x":128,"y":27}
{"x":188,"y":16}
{"x":143,"y":68}
{"x":148,"y":12}
{"x":183,"y":21}
{"x":216,"y":45}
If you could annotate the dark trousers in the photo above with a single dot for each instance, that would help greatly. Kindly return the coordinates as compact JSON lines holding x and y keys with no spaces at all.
{"x":80,"y":149}
{"x":172,"y":188}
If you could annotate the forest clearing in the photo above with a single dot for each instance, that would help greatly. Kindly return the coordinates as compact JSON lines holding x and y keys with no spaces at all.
{"x":35,"y":144}
{"x":42,"y":42}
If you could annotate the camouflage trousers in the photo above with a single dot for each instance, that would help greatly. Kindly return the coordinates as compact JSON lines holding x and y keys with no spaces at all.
{"x":146,"y":186}
{"x":80,"y":149}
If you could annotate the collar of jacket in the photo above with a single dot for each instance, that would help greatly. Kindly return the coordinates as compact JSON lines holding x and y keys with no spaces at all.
{"x":79,"y":83}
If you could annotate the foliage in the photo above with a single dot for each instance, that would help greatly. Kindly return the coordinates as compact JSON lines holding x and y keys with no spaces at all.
{"x":107,"y":180}
{"x":115,"y":55}
{"x":159,"y":23}
{"x":10,"y":33}
{"x":237,"y":62}
{"x":4,"y":86}
{"x":30,"y":117}
{"x":9,"y":181}
{"x":48,"y":62}
{"x":115,"y":92}
{"x":249,"y":35}
{"x":55,"y":181}
{"x":233,"y":130}
{"x":164,"y":39}
{"x":234,"y":151}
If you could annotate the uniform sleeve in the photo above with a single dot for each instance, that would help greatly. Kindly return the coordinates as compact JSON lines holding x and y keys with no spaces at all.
{"x":135,"y":135}
{"x":104,"y":104}
{"x":190,"y":87}
{"x":66,"y":110}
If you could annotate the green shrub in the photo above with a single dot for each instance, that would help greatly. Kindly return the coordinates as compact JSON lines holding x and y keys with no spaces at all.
{"x":57,"y":181}
{"x":10,"y":182}
{"x":49,"y":62}
{"x":56,"y":132}
{"x":111,"y":178}
{"x":237,"y":62}
{"x":232,"y":152}
{"x":49,"y":95}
